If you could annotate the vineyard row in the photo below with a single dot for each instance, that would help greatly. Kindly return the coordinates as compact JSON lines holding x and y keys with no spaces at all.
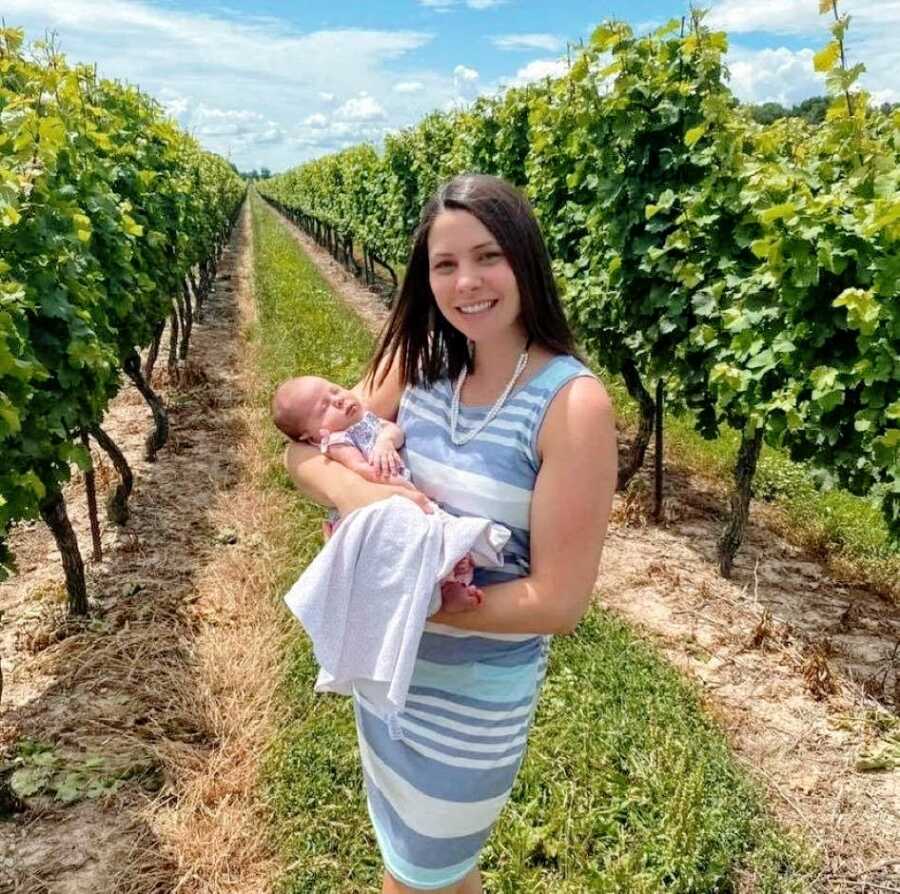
{"x":111,"y":223}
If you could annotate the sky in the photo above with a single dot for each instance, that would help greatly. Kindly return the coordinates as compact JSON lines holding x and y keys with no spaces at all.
{"x":275,"y":83}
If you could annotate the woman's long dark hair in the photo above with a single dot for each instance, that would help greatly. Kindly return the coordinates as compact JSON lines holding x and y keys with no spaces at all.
{"x":505,"y":212}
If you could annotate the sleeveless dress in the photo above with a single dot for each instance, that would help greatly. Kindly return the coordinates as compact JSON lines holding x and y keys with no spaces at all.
{"x":435,"y":792}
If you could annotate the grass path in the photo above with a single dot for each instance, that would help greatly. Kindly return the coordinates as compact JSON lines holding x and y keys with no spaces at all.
{"x":627,"y":785}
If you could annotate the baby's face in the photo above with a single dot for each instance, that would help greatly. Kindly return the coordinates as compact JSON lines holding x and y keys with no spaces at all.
{"x":323,"y":404}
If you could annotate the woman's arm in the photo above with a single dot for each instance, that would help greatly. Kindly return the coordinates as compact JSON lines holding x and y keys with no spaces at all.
{"x":329,"y":483}
{"x":569,"y":515}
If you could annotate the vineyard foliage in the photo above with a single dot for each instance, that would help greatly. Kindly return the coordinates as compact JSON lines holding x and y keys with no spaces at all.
{"x":756,"y":269}
{"x":105,"y":208}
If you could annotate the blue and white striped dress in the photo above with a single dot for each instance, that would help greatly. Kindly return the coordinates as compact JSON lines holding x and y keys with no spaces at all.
{"x":434,"y":794}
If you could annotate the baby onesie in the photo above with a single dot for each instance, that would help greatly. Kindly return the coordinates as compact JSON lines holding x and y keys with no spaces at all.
{"x":361,"y":435}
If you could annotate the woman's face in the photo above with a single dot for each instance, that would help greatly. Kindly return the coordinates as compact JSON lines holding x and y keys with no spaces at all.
{"x":473,"y":283}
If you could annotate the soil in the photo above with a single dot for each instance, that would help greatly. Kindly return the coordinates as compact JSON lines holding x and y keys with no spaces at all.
{"x":800,"y":669}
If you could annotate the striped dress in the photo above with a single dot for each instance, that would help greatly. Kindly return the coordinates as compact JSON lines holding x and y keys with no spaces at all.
{"x":434,"y":793}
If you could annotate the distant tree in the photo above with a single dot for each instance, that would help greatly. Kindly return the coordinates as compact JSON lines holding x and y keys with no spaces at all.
{"x":262,"y":174}
{"x":768,"y":112}
{"x":812,"y":110}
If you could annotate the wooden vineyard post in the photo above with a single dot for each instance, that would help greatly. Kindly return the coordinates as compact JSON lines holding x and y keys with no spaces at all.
{"x":90,"y":486}
{"x":658,"y":458}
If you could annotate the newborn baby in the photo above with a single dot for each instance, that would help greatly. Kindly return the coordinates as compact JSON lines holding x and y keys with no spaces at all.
{"x":316,"y":411}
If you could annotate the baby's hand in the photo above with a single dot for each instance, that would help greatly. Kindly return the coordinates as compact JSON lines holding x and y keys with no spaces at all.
{"x":385,"y":460}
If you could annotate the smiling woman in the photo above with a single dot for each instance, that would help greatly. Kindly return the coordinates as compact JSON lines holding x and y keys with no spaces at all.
{"x":478,"y":303}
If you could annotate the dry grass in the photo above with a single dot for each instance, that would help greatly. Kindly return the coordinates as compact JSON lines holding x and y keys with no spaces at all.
{"x":211,"y":820}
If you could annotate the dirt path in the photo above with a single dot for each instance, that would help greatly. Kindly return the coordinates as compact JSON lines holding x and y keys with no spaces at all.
{"x":155,"y":710}
{"x":800,"y":669}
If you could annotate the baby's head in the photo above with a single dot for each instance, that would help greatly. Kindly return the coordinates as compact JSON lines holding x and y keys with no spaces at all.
{"x":303,"y":406}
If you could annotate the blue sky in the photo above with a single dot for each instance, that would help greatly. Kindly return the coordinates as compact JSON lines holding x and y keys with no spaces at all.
{"x":275,"y":83}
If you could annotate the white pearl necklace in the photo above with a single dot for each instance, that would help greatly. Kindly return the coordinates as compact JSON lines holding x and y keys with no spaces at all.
{"x":460,"y":440}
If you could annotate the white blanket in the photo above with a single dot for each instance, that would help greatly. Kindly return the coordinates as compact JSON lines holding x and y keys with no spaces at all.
{"x":364,"y":599}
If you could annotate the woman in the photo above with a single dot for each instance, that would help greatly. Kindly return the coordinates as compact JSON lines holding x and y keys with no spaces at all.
{"x":476,"y":365}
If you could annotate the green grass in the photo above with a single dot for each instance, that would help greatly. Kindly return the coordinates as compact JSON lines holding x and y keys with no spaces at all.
{"x":626,"y":785}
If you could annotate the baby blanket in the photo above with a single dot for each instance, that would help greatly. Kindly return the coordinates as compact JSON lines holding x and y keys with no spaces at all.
{"x":364,"y":599}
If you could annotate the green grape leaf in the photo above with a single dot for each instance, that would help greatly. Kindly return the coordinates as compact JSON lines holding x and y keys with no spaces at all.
{"x":827,"y":57}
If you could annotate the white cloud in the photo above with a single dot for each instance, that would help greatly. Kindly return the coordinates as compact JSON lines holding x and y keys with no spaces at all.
{"x":780,"y":75}
{"x":235,"y":129}
{"x":801,"y":16}
{"x":316,"y":120}
{"x":787,"y":77}
{"x":231,"y":116}
{"x":174,"y":103}
{"x":549,"y":42}
{"x":537,"y":71}
{"x":888,"y":94}
{"x":463,"y":73}
{"x":783,"y":17}
{"x":447,"y":5}
{"x":409,"y":87}
{"x":466,"y":85}
{"x":230,"y":62}
{"x":272,"y":134}
{"x":648,"y":27}
{"x":871,"y":39}
{"x":361,"y":108}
